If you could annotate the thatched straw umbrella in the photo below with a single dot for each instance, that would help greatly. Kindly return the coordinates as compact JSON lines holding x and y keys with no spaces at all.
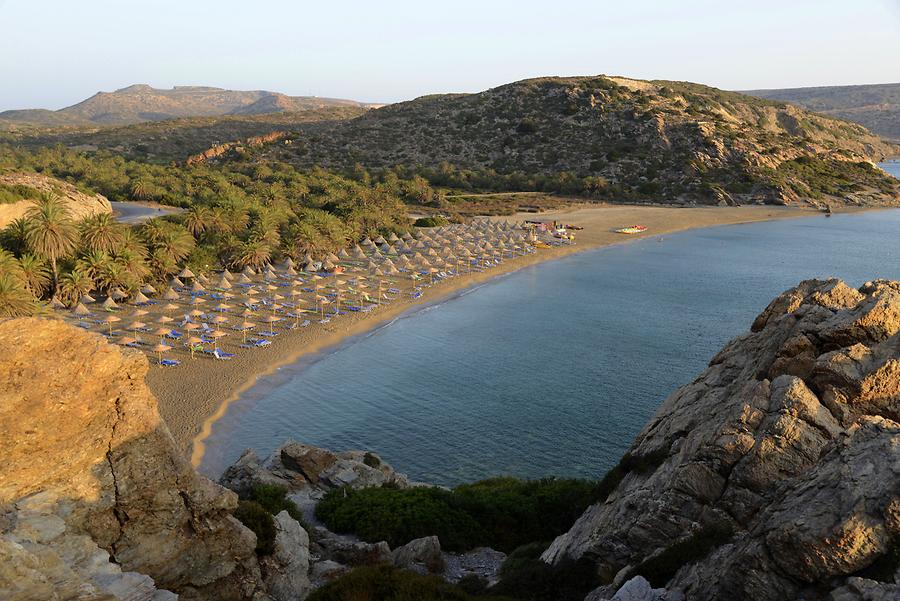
{"x":186,"y":273}
{"x":80,"y":310}
{"x":192,"y":343}
{"x":109,"y":304}
{"x":109,"y":320}
{"x":159,"y":349}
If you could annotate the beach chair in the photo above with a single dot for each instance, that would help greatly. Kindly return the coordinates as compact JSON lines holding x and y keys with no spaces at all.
{"x":221,"y":355}
{"x":268,"y":334}
{"x":174,"y":335}
{"x":170,"y":362}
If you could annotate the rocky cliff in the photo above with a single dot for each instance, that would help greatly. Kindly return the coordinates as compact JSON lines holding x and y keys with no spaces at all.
{"x":80,"y":205}
{"x":776,"y":473}
{"x":95,"y":499}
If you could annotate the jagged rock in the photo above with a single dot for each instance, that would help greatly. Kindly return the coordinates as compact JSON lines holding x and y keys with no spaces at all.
{"x":861,"y":589}
{"x":636,"y":589}
{"x":789,"y":439}
{"x":86,"y":453}
{"x":287,"y":569}
{"x":308,"y":460}
{"x":349,"y":551}
{"x":325,"y":571}
{"x":421,"y":554}
{"x":247,"y":472}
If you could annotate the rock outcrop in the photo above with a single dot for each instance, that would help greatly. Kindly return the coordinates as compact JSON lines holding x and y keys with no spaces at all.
{"x":91,"y":475}
{"x":774,"y":474}
{"x":80,"y":205}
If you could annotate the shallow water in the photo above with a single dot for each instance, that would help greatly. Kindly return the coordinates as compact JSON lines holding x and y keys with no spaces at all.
{"x":554,"y":369}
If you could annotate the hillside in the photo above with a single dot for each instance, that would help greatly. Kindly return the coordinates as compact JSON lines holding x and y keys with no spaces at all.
{"x":177,"y":139}
{"x":139,"y":103}
{"x":633,"y":140}
{"x":877,"y":107}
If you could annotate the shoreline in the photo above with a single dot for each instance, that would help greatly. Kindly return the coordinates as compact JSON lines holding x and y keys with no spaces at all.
{"x":194,"y":396}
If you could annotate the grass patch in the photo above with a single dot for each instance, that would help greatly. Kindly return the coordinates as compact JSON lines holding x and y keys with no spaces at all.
{"x":501,"y":513}
{"x":435,"y":221}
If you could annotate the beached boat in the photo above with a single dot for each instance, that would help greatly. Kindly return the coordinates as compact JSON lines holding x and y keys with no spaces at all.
{"x":632,"y":229}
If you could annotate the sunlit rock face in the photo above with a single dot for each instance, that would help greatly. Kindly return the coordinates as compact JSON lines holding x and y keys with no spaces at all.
{"x":783,"y":456}
{"x":90,"y":474}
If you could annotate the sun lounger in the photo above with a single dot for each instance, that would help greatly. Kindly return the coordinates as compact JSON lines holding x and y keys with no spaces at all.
{"x":256,"y":343}
{"x":269,"y":333}
{"x":174,"y":335}
{"x":222,"y":356}
{"x":170,"y":362}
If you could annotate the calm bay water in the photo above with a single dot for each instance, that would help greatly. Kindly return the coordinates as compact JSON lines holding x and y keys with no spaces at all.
{"x":554,"y":369}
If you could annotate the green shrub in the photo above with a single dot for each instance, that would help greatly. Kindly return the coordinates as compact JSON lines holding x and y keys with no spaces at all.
{"x":658,"y":570}
{"x":435,"y":221}
{"x":502,"y":513}
{"x":533,"y":580}
{"x":387,"y":583}
{"x":255,"y":517}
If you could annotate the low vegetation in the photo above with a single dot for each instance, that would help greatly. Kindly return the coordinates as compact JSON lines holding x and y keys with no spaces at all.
{"x":256,"y":509}
{"x":386,"y":583}
{"x":502,"y":513}
{"x":660,"y":568}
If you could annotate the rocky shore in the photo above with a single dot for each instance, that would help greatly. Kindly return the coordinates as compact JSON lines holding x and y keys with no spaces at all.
{"x":774,"y":475}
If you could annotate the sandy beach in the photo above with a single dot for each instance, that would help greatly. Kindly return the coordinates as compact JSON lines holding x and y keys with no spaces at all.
{"x":195,"y":394}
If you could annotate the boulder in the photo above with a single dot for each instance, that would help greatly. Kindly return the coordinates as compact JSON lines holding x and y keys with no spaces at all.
{"x":286,"y":571}
{"x":783,"y":456}
{"x":636,"y":589}
{"x":349,"y":551}
{"x":422,"y":555}
{"x":308,"y":460}
{"x":247,"y":472}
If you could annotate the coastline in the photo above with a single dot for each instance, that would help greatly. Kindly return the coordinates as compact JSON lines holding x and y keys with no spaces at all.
{"x":194,"y":396}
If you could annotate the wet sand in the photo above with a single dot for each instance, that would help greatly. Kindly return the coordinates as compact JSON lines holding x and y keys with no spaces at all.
{"x":195,"y":394}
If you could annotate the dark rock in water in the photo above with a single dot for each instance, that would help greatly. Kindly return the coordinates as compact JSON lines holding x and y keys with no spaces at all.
{"x":779,"y":466}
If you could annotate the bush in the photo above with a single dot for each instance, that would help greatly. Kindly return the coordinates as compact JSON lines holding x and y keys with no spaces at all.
{"x":502,"y":513}
{"x":255,"y":517}
{"x":387,"y":583}
{"x":435,"y":221}
{"x":273,"y":499}
{"x":533,"y":580}
{"x":659,"y":569}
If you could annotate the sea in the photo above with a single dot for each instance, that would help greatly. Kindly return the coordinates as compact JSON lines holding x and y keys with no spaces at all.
{"x":553,"y":369}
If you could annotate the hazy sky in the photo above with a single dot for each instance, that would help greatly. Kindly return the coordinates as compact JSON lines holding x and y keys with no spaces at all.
{"x":57,"y":52}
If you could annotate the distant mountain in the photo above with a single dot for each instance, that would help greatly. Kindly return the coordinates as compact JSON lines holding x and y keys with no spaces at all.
{"x":617,"y":138}
{"x":140,"y":103}
{"x":875,"y":106}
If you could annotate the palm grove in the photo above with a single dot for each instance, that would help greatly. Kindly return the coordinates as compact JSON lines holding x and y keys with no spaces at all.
{"x":236,"y":215}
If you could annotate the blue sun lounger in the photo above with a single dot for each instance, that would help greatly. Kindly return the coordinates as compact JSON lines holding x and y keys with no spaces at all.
{"x":170,"y":362}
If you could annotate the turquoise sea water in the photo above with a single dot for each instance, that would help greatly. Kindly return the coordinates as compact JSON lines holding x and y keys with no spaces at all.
{"x":554,"y":369}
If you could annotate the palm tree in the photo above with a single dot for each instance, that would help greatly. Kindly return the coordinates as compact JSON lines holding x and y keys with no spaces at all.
{"x":134,"y":264}
{"x":197,"y":220}
{"x":35,"y":274}
{"x":101,"y":233}
{"x":92,"y":264}
{"x":176,"y":242}
{"x":50,"y":232}
{"x":115,"y":275}
{"x":12,"y":236}
{"x":73,"y":285}
{"x":253,"y":253}
{"x":142,"y":189}
{"x":15,"y":299}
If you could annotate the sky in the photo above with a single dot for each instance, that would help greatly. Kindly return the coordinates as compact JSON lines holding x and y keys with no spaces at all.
{"x":54,"y":53}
